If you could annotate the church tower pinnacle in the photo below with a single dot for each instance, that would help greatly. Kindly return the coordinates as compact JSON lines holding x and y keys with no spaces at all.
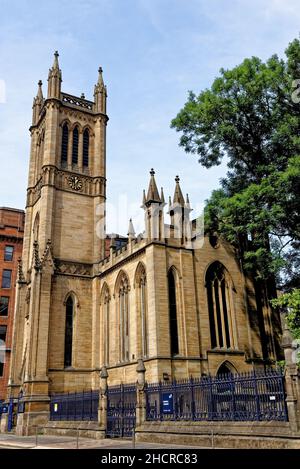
{"x":100,"y":94}
{"x":54,"y":79}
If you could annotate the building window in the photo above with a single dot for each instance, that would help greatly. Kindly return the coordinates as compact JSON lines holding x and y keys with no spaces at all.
{"x":2,"y":348}
{"x":173,"y":314}
{"x":64,"y":143}
{"x":106,"y":324}
{"x":219,"y":306}
{"x":86,"y":142}
{"x":8,"y":253}
{"x":124,"y":319}
{"x":69,"y":332}
{"x":75,"y":146}
{"x":6,"y":278}
{"x":142,"y":299}
{"x":4,"y":301}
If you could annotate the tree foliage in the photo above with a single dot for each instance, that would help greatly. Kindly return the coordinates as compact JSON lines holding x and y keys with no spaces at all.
{"x":248,"y":116}
{"x":291,"y":302}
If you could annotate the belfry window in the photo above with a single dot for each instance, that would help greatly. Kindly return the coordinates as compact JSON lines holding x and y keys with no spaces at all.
{"x":69,"y":332}
{"x":219,"y":306}
{"x":85,"y":149}
{"x":64,"y":143}
{"x":75,"y":146}
{"x":173,"y":314}
{"x":124,"y":319}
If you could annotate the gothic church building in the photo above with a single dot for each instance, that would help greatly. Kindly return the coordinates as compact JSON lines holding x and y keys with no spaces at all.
{"x":185,"y":309}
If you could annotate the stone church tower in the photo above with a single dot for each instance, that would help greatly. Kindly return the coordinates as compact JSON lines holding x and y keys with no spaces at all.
{"x":66,"y":185}
{"x":185,"y":308}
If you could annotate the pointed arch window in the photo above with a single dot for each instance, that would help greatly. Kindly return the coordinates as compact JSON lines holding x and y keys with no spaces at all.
{"x":142,"y":298}
{"x":69,"y":332}
{"x":64,"y":143}
{"x":75,"y":146}
{"x":174,"y":344}
{"x":124,"y":318}
{"x":218,"y":284}
{"x":106,"y":325}
{"x":85,"y":148}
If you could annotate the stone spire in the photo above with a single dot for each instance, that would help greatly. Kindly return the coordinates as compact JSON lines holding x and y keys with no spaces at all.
{"x":100,"y":93}
{"x":178,"y":197}
{"x":152,"y":194}
{"x":54,"y":79}
{"x":187,"y":203}
{"x":162,"y":197}
{"x":37,"y":104}
{"x":131,"y":232}
{"x":179,"y":212}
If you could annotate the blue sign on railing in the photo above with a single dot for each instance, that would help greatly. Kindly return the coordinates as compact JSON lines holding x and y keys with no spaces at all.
{"x":167,"y":403}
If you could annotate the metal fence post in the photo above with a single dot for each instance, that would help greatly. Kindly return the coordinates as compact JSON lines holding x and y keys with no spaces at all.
{"x":193,"y":404}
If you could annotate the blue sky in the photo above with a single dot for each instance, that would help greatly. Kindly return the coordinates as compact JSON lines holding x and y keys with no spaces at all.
{"x":152,"y":53}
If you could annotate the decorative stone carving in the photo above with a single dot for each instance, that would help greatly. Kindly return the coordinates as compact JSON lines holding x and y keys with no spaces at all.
{"x":65,"y":180}
{"x":73,"y":268}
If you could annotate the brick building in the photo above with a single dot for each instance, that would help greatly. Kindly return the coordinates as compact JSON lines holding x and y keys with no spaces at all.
{"x":11,"y":241}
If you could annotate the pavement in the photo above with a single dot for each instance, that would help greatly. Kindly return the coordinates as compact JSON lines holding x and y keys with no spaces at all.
{"x":12,"y":441}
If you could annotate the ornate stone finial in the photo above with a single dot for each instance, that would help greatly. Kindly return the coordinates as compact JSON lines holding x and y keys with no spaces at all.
{"x":55,"y":63}
{"x":187,"y":203}
{"x":131,"y":232}
{"x":178,"y":197}
{"x":21,"y":277}
{"x":100,"y":77}
{"x":82,"y":96}
{"x":162,"y":196}
{"x":152,"y":194}
{"x":54,"y":79}
{"x":36,"y":258}
{"x":140,"y":366}
{"x":103,"y":372}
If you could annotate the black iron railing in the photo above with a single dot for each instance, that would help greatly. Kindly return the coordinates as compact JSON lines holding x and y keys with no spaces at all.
{"x":75,"y":406}
{"x":121,"y":410}
{"x":255,"y":396}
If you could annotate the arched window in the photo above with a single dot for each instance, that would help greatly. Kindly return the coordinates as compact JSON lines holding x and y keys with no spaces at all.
{"x":106,"y":323}
{"x":173,"y":314}
{"x":64,"y":143}
{"x":85,"y":149}
{"x":218,"y":284}
{"x":69,"y":332}
{"x":75,"y":146}
{"x":123,"y":290}
{"x":36,"y":227}
{"x":141,"y":284}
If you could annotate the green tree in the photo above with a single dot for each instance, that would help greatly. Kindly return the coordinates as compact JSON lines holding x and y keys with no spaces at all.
{"x":291,"y":302}
{"x":249,"y":116}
